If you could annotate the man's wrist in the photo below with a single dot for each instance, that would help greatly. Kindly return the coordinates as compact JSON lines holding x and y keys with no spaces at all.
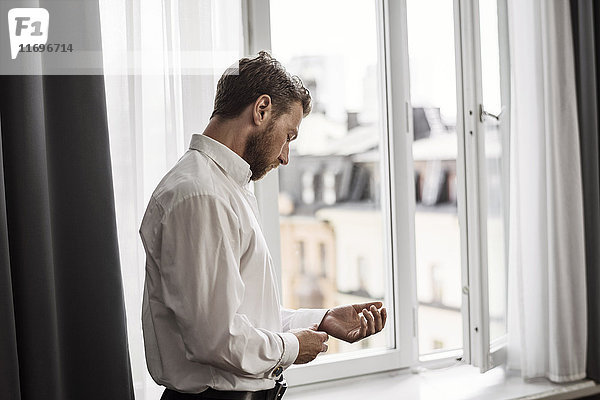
{"x":321,"y":327}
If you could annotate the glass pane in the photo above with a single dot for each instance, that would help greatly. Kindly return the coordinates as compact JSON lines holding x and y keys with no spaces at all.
{"x":496,"y":246}
{"x":333,"y":243}
{"x":437,"y":229}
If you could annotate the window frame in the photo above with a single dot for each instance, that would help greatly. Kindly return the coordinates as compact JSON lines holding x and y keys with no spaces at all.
{"x":397,"y":159}
{"x":480,"y":351}
{"x":398,"y":201}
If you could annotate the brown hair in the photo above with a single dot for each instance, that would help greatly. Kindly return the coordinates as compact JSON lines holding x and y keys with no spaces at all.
{"x":257,"y":76}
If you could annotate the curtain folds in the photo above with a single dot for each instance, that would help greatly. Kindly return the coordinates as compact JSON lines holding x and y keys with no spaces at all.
{"x":69,"y":338}
{"x":154,"y":105}
{"x":9,"y":367}
{"x":547,"y":321}
{"x":63,"y":326}
{"x":585,"y":16}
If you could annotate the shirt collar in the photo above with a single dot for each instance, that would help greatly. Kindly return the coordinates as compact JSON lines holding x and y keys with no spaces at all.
{"x":227,"y":159}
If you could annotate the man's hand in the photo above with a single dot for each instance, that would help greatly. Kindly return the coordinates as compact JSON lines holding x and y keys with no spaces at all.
{"x":311,"y":344}
{"x":354,"y":322}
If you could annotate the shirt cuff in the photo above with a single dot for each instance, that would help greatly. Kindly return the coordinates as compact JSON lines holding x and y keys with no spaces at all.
{"x":292,"y":347}
{"x":307,"y":317}
{"x":290,"y":350}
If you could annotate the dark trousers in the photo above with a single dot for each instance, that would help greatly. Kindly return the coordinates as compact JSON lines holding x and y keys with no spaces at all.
{"x":169,"y":394}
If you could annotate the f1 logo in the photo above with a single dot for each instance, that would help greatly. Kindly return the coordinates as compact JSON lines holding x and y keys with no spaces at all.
{"x":27,"y":26}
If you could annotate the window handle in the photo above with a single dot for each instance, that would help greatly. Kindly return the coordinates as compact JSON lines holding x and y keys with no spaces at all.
{"x":483,"y":114}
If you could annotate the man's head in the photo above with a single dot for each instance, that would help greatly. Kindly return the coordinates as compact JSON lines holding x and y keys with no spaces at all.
{"x":272,"y":101}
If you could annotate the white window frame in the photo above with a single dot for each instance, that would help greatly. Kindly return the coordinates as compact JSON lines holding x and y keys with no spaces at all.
{"x":399,"y":203}
{"x":398,"y":157}
{"x":478,"y":350}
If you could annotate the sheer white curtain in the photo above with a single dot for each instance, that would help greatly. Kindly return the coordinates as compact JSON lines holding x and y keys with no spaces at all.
{"x":547,"y":292}
{"x":162,"y":60}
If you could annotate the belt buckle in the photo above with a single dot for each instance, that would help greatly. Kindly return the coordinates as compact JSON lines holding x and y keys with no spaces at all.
{"x":280,"y":388}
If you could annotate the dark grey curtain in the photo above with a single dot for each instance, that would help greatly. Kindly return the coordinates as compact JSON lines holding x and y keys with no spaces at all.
{"x":62,"y":315}
{"x":585,"y":15}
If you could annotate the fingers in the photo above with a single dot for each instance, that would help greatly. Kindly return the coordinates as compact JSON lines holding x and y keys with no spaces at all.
{"x":360,"y":307}
{"x":311,"y":343}
{"x":364,"y":327}
{"x":377,"y":304}
{"x":324,"y":336}
{"x":377,"y":318}
{"x":370,"y":321}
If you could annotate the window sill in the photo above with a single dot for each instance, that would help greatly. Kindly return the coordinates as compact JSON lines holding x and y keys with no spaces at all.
{"x":462,"y":382}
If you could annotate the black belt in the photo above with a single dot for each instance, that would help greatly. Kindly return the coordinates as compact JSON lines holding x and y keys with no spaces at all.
{"x":275,"y":393}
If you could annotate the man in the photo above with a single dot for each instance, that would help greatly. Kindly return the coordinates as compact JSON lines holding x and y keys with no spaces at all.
{"x":212,"y":322}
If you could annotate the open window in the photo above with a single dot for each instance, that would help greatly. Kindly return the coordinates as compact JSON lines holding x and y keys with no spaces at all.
{"x":396,"y":189}
{"x":486,"y":125}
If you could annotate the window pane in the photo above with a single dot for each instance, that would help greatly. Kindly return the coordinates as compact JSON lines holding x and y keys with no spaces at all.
{"x":437,"y":230}
{"x":496,"y":244}
{"x":330,"y":193}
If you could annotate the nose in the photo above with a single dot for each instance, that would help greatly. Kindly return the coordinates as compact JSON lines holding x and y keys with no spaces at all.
{"x":284,"y":155}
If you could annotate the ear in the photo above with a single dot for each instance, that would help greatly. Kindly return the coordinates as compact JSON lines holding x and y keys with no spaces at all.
{"x":262,"y":110}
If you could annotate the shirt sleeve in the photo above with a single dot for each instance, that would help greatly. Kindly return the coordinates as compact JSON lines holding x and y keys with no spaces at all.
{"x":301,"y":318}
{"x":202,"y":285}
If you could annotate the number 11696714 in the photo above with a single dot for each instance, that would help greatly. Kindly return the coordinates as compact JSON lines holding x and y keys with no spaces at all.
{"x":46,"y":48}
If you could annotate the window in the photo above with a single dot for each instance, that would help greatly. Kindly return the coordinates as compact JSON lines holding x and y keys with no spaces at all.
{"x":496,"y":134}
{"x":435,"y":151}
{"x":323,"y":258}
{"x":395,"y":184}
{"x":334,"y":181}
{"x":301,"y":257}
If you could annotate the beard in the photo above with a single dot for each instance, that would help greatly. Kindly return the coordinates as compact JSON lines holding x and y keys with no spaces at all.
{"x":256,"y":152}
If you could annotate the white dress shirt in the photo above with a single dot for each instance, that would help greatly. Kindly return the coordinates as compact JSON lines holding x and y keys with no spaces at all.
{"x":211,"y":313}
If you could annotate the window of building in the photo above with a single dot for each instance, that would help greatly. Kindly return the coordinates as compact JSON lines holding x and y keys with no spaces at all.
{"x":323,"y":258}
{"x":302,"y":257}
